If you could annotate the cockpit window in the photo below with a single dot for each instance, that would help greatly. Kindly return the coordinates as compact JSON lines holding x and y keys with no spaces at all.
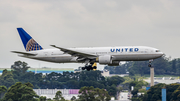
{"x":157,"y":50}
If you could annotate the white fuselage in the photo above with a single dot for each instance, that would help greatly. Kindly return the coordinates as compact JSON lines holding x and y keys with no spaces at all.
{"x":125,"y":53}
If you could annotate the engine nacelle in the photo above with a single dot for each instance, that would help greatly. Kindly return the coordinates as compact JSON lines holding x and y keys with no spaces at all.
{"x":114,"y":63}
{"x":106,"y":59}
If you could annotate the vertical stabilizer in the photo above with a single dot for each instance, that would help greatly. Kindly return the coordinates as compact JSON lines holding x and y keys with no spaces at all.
{"x":29,"y":43}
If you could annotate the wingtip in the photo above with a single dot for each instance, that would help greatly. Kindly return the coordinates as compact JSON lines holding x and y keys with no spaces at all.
{"x":12,"y":51}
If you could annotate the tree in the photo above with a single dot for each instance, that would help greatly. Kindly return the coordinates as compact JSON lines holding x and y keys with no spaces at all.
{"x":73,"y":98}
{"x":102,"y":95}
{"x":3,"y":89}
{"x":154,"y":93}
{"x":174,"y":65}
{"x":112,"y":90}
{"x":172,"y":90}
{"x":176,"y":95}
{"x":6,"y":78}
{"x":93,"y":94}
{"x":115,"y":80}
{"x":58,"y":96}
{"x":21,"y":92}
{"x":42,"y":98}
{"x":134,"y":92}
{"x":20,"y":66}
{"x":116,"y":69}
{"x":49,"y":99}
{"x":119,"y":89}
{"x":161,"y":66}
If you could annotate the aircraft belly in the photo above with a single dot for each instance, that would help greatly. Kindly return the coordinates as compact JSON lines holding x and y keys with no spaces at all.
{"x":133,"y":57}
{"x":63,"y":59}
{"x":54,"y":59}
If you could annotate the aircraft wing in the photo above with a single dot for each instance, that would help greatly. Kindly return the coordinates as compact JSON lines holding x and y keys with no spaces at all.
{"x":75,"y":53}
{"x":24,"y":53}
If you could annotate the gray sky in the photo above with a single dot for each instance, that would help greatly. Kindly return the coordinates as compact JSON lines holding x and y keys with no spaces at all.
{"x":88,"y":23}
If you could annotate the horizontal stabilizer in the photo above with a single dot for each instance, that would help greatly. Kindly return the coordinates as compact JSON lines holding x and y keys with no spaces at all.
{"x":24,"y":53}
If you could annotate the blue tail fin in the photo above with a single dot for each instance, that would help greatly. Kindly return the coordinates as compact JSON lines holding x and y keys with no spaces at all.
{"x":29,"y":43}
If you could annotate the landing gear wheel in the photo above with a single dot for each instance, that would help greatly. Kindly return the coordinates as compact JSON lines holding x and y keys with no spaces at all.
{"x":83,"y":68}
{"x":150,"y":61}
{"x":88,"y":69}
{"x":94,"y":67}
{"x":91,"y":68}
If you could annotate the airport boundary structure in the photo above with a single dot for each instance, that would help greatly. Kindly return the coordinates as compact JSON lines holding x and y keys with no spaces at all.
{"x":43,"y":70}
{"x":50,"y":93}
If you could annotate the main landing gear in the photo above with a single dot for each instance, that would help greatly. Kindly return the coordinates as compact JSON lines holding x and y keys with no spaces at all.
{"x":150,"y":63}
{"x":90,"y":67}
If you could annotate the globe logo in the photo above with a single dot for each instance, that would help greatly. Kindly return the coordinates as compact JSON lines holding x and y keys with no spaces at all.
{"x":32,"y":45}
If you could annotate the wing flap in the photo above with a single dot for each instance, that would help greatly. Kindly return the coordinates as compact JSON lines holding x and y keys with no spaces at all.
{"x":74,"y":53}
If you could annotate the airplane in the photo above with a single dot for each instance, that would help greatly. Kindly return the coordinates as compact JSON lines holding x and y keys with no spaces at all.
{"x":111,"y":56}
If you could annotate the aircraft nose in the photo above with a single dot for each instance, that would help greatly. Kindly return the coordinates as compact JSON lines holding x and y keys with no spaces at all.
{"x":161,"y":54}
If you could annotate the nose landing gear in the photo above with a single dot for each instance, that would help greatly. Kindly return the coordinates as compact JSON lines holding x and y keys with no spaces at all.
{"x":150,"y":63}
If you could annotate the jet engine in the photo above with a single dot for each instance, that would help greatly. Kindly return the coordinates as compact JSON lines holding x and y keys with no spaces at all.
{"x":114,"y":63}
{"x":107,"y":59}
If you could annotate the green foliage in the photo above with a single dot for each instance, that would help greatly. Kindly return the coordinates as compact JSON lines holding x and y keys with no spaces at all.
{"x":42,"y":98}
{"x":136,"y":99}
{"x":142,"y":90}
{"x":154,"y":93}
{"x":176,"y":95}
{"x":6,"y":78}
{"x":20,"y":66}
{"x":49,"y":99}
{"x":93,"y":94}
{"x":68,"y":80}
{"x":112,"y":83}
{"x":127,"y":80}
{"x":114,"y":80}
{"x":163,"y":66}
{"x":35,"y":79}
{"x":171,"y":89}
{"x":126,"y":83}
{"x":134,"y":92}
{"x":112,"y":90}
{"x":20,"y":92}
{"x":122,"y":69}
{"x":73,"y":98}
{"x":119,"y":89}
{"x":137,"y":88}
{"x":137,"y":84}
{"x":58,"y":96}
{"x":3,"y":89}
